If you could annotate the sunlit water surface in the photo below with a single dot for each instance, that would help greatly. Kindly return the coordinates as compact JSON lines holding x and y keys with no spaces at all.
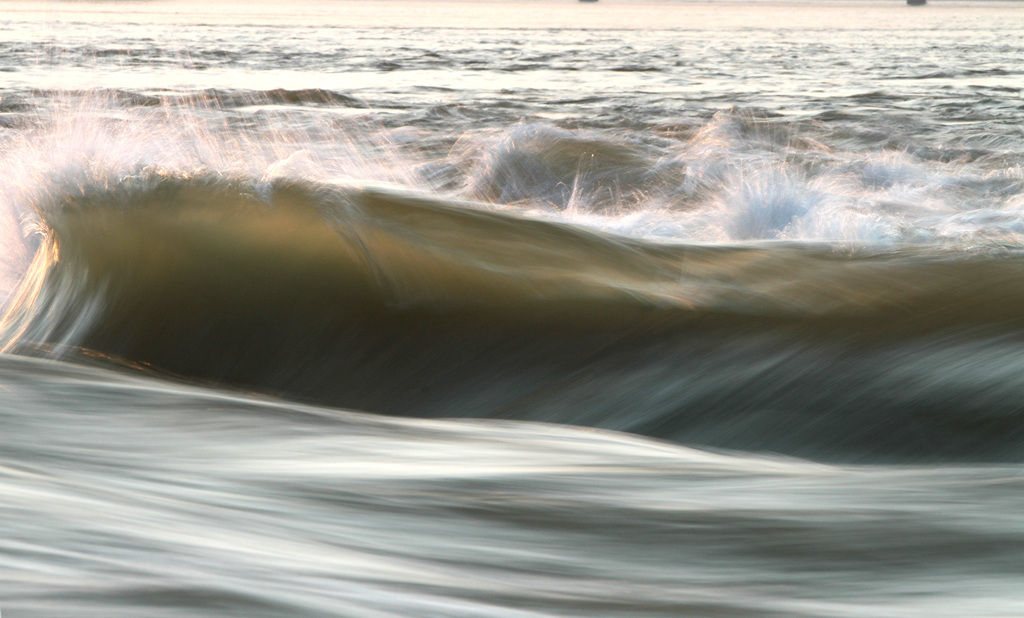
{"x":601,"y":309}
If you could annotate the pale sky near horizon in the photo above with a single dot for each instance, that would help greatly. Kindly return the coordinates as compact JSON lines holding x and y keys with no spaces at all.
{"x":626,"y":14}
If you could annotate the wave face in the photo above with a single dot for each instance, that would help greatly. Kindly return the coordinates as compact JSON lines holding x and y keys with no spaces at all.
{"x":392,"y":302}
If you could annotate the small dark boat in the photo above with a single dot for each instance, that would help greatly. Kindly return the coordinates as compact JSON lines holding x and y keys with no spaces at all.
{"x":596,"y":0}
{"x":910,"y":2}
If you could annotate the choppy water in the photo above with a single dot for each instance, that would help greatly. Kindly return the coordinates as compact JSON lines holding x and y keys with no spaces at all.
{"x":615,"y":309}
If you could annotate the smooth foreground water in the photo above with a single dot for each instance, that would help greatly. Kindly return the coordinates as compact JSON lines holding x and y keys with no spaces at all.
{"x":532,"y":308}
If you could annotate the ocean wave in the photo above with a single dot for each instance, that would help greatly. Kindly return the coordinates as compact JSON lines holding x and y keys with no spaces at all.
{"x":744,"y":280}
{"x":388,"y":301}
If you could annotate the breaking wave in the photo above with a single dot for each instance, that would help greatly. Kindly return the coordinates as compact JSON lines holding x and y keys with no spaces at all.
{"x":395,"y":302}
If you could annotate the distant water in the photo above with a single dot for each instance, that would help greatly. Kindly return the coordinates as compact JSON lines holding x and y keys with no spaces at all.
{"x":534,"y":308}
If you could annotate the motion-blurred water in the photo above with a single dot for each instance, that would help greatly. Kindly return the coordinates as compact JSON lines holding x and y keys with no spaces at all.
{"x":532,"y":308}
